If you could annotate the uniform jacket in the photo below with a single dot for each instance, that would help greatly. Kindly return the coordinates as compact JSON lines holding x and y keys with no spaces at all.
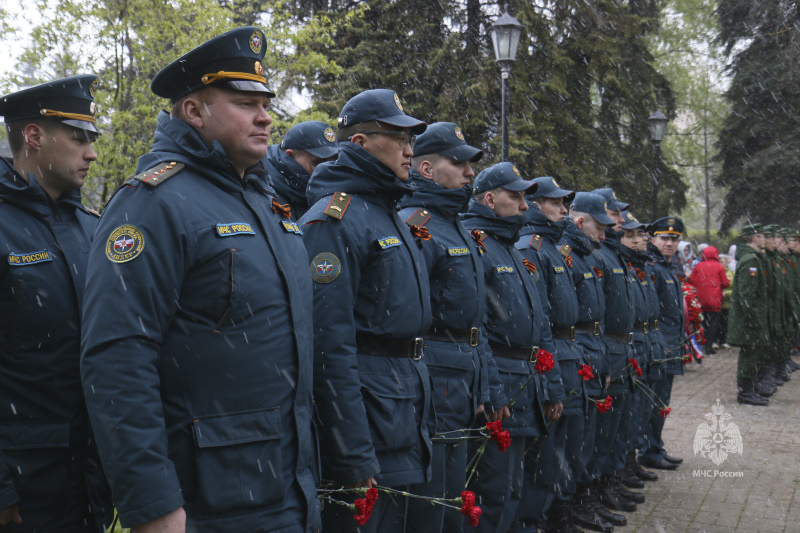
{"x":458,"y":302}
{"x":515,"y":317}
{"x":671,"y":317}
{"x":537,"y":243}
{"x":658,"y":346}
{"x":620,"y":316}
{"x":48,"y":463}
{"x":709,"y":278}
{"x":288,"y":178}
{"x":635,"y":263}
{"x":591,"y":301}
{"x":197,"y":347}
{"x":776,"y":289}
{"x":374,"y":411}
{"x":748,"y":319}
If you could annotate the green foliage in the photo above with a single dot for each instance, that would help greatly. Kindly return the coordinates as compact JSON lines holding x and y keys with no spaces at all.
{"x":760,"y":140}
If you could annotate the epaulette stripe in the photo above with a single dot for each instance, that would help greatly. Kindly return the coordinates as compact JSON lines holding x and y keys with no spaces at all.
{"x":536,"y":242}
{"x":159,"y":174}
{"x":419,"y":218}
{"x":338,"y":205}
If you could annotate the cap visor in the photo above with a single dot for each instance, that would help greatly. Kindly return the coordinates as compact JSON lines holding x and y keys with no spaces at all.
{"x":602,"y":218}
{"x":616,"y":205}
{"x":463,"y":153}
{"x":323,"y":152}
{"x":247,"y":85}
{"x":633,"y":225}
{"x":521,"y":185}
{"x":82,"y":125}
{"x":404,"y":121}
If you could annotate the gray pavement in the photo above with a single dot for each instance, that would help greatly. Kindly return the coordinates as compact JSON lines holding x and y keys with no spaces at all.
{"x":765,"y":498}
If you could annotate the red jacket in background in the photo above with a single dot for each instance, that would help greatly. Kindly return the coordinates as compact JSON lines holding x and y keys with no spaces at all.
{"x":709,"y":278}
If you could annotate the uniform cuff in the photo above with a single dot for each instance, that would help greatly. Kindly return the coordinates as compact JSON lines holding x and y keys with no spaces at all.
{"x":152,"y":511}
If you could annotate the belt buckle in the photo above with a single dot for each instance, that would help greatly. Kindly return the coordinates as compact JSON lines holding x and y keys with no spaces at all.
{"x":572,"y":333}
{"x":644,"y":328}
{"x":655,"y":324}
{"x":534,"y":351}
{"x":597,"y":328}
{"x":630,"y":338}
{"x":474,"y":336}
{"x":417,"y":355}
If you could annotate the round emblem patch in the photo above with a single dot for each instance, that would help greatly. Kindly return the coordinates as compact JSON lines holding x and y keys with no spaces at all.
{"x":397,"y":101}
{"x":630,"y":216}
{"x":671,"y":221}
{"x":94,"y":86}
{"x":325,"y":268}
{"x":259,"y":68}
{"x":125,"y":243}
{"x":516,"y":170}
{"x":459,"y":134}
{"x":329,"y":135}
{"x":256,"y":39}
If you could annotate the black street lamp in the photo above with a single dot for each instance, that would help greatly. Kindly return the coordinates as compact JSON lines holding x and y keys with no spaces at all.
{"x":658,"y":124}
{"x":505,"y":36}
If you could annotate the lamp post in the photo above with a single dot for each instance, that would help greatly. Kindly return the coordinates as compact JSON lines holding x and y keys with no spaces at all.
{"x":506,"y":31}
{"x":658,"y":124}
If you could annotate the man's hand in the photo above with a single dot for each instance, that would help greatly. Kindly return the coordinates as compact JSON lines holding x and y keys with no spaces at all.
{"x":500,"y":414}
{"x":553,"y":410}
{"x":480,"y":409}
{"x":174,"y":522}
{"x":363,"y":484}
{"x":10,"y":514}
{"x":608,"y":381}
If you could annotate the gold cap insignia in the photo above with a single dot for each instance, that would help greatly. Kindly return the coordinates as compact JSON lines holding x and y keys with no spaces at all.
{"x":259,"y":68}
{"x":397,"y":102}
{"x":256,"y":40}
{"x":459,"y":134}
{"x":555,"y":183}
{"x":516,"y":171}
{"x":671,"y":222}
{"x":93,"y":108}
{"x":94,"y":86}
{"x":329,"y":135}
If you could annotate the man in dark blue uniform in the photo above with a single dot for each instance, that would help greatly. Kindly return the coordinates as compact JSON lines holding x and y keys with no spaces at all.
{"x":666,"y":233}
{"x":372,"y":306}
{"x":544,"y":225}
{"x":584,"y":231}
{"x":441,"y":172}
{"x":290,"y":164}
{"x":197,"y":338}
{"x":516,"y":328}
{"x":50,"y":475}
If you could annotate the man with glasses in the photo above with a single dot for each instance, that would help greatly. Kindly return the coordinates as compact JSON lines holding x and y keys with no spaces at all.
{"x":371,"y":309}
{"x":290,"y":164}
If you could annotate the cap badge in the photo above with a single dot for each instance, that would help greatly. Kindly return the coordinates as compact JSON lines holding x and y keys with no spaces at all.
{"x":397,"y":102}
{"x":630,"y":216}
{"x":555,"y":183}
{"x":605,"y":205}
{"x":516,"y":171}
{"x":259,"y":68}
{"x":671,"y":221}
{"x":329,"y":135}
{"x":459,"y":134}
{"x":256,"y":40}
{"x":92,"y":108}
{"x":93,"y":87}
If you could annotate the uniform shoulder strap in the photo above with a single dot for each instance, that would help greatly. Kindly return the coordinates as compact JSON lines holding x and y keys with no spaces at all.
{"x":159,"y":174}
{"x":339,"y":203}
{"x":420,"y":217}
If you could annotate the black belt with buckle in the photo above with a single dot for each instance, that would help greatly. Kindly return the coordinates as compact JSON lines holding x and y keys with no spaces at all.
{"x":641,"y":326}
{"x":564,"y":334}
{"x":624,"y":338}
{"x":654,"y":325}
{"x":589,"y":328}
{"x":388,"y":347}
{"x":459,"y":336}
{"x":527,"y":353}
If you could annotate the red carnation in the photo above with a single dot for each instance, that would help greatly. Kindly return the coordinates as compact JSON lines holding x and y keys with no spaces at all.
{"x":474,"y":516}
{"x":664,"y":411}
{"x":363,"y":506}
{"x":585,"y":371}
{"x":635,"y":366}
{"x":495,"y":426}
{"x":501,"y":437}
{"x":544,"y":361}
{"x":467,"y":502}
{"x":604,"y":406}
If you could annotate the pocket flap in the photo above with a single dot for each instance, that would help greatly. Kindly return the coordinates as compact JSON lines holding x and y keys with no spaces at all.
{"x":237,"y":428}
{"x":393,"y":387}
{"x":34,"y":436}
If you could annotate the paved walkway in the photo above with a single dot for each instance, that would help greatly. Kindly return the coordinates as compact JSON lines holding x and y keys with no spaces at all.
{"x":765,"y":498}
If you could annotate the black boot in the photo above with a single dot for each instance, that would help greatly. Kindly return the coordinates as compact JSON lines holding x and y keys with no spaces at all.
{"x":747,"y":394}
{"x":559,"y":519}
{"x":763,"y":387}
{"x":584,"y":515}
{"x":641,"y":473}
{"x":609,"y":497}
{"x":781,"y":374}
{"x":635,"y":497}
{"x":791,"y":365}
{"x":594,"y":503}
{"x":767,"y":375}
{"x":628,"y":476}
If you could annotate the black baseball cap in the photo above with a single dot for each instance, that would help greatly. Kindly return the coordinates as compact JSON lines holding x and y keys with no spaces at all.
{"x":503,"y":175}
{"x":613,"y":202}
{"x":229,"y":61}
{"x":67,"y":100}
{"x":313,"y":136}
{"x":549,"y":188}
{"x":630,"y":221}
{"x":382,"y":105}
{"x":593,"y":204}
{"x":446,"y":139}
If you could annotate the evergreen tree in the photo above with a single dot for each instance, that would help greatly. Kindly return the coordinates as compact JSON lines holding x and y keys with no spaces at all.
{"x":760,"y":140}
